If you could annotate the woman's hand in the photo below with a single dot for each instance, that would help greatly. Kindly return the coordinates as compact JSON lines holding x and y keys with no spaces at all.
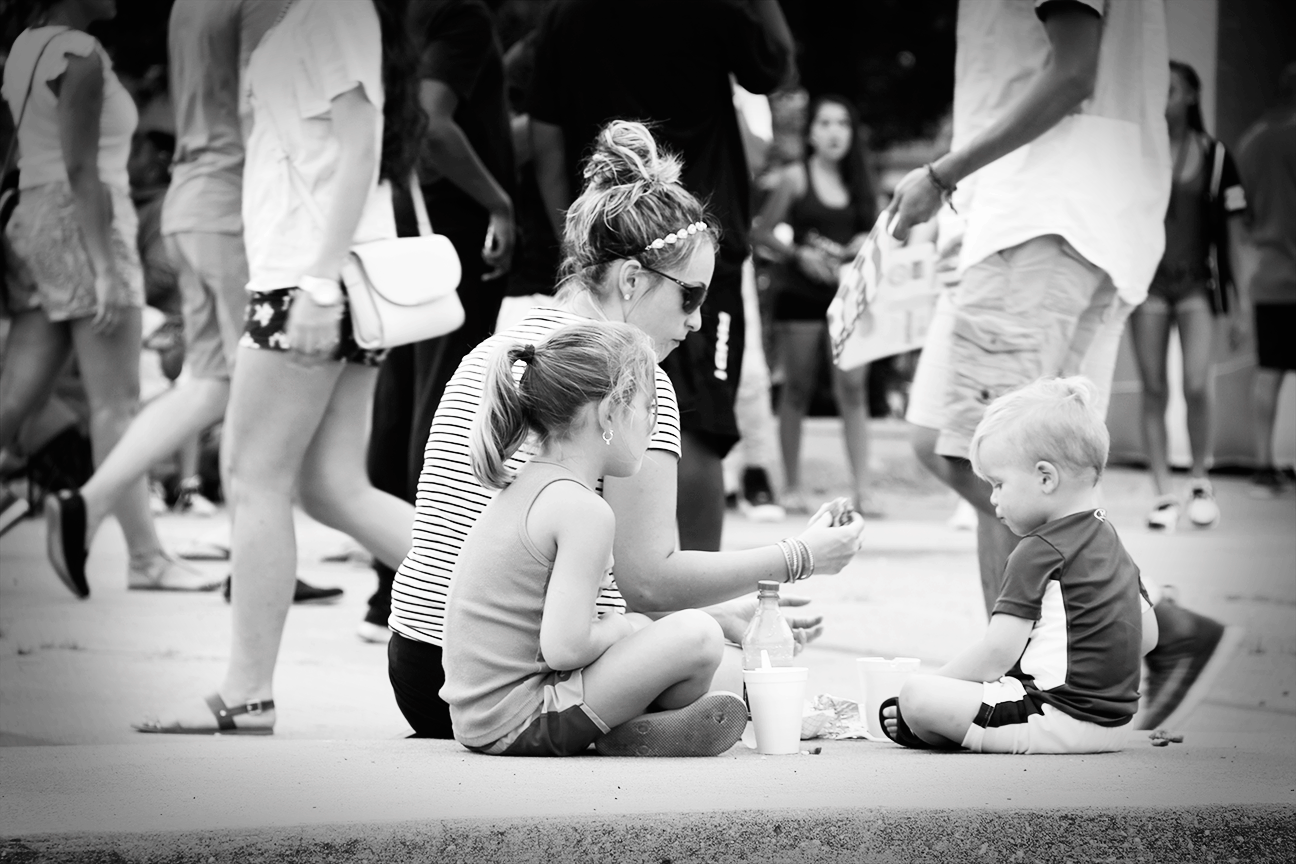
{"x":313,"y":330}
{"x":815,"y":265}
{"x":112,"y":299}
{"x":832,"y":547}
{"x":735,"y":615}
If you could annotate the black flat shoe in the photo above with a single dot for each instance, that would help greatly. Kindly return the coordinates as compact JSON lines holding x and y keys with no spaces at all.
{"x":303,"y":592}
{"x":65,"y":539}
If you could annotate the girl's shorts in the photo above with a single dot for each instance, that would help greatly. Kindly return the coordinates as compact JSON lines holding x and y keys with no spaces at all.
{"x":50,"y":268}
{"x":1010,"y":721}
{"x":265,"y":325}
{"x":561,"y":725}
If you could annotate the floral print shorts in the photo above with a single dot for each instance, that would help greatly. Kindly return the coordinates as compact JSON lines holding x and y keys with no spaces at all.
{"x":265,"y":325}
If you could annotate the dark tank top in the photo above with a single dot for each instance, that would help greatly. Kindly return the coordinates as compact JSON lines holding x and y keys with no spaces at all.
{"x":830,"y":229}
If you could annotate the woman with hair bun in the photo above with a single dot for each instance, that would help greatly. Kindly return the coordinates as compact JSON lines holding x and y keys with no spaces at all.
{"x":638,"y":249}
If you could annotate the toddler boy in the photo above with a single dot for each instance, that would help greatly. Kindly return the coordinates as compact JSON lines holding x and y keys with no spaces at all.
{"x":1058,"y":668}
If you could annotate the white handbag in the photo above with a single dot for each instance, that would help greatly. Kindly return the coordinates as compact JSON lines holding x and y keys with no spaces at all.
{"x":403,"y":290}
{"x":400,"y":290}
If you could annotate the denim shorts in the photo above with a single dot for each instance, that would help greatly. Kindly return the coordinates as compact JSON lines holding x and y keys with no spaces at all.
{"x":52,"y":270}
{"x":561,"y":725}
{"x":266,"y":327}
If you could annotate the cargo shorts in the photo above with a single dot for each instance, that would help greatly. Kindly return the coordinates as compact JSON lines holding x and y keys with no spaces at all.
{"x":1026,"y":312}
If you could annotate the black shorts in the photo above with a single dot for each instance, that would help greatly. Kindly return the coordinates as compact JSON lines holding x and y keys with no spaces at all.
{"x":265,"y":326}
{"x":705,"y":368}
{"x":1275,"y":335}
{"x":414,"y":670}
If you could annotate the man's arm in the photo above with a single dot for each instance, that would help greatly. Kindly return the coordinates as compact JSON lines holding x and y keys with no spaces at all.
{"x":1067,"y":79}
{"x":548,"y":147}
{"x":452,"y":154}
{"x":992,"y":657}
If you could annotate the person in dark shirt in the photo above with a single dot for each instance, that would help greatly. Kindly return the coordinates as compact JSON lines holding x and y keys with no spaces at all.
{"x":466,"y":175}
{"x":1058,"y":668}
{"x":681,"y":85}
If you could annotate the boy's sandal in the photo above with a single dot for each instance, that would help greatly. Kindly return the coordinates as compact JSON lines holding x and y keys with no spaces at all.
{"x":224,"y":715}
{"x":904,"y":736}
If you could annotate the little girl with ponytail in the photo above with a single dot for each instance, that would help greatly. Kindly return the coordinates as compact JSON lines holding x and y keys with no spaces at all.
{"x":531,"y":668}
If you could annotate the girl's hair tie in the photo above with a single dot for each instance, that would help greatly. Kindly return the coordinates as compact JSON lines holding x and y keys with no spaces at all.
{"x":526,"y":354}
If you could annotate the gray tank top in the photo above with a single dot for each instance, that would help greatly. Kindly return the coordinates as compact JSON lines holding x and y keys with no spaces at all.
{"x":494,"y":671}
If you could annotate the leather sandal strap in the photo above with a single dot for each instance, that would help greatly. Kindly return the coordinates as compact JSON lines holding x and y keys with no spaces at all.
{"x":225,"y":714}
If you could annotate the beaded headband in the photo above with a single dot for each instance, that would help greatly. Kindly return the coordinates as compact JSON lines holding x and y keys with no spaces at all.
{"x":675,"y":237}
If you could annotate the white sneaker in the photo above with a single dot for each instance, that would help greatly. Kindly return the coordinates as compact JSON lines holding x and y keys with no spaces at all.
{"x":1164,"y":515}
{"x":157,"y":499}
{"x":964,"y":518}
{"x":375,"y":633}
{"x":1203,"y":512}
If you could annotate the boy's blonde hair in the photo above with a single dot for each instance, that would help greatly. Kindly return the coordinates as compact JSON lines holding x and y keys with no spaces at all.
{"x":1054,"y":420}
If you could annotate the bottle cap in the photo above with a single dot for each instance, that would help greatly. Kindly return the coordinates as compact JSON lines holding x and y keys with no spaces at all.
{"x":768,"y":586}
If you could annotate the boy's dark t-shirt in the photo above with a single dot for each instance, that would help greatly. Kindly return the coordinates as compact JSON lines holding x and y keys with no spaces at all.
{"x":1075,"y":580}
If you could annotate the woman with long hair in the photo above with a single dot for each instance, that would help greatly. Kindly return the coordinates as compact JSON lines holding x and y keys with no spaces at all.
{"x":81,"y":287}
{"x":1192,"y":288}
{"x":335,"y":118}
{"x":828,"y":200}
{"x":638,"y":248}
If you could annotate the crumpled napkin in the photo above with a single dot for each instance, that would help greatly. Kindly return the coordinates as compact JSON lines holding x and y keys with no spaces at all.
{"x":828,"y":716}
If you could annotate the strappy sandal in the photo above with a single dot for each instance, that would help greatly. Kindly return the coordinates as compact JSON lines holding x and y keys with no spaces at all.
{"x":224,"y":715}
{"x":904,"y":736}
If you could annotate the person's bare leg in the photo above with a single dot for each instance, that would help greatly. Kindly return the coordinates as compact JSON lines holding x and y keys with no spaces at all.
{"x":851,"y":391}
{"x":799,"y":347}
{"x":667,"y":664}
{"x":1197,"y":336}
{"x":109,"y":367}
{"x":1150,"y":330}
{"x":939,"y":710}
{"x":35,"y":353}
{"x":335,"y":487}
{"x":161,"y":428}
{"x":1265,"y":387}
{"x":994,"y":541}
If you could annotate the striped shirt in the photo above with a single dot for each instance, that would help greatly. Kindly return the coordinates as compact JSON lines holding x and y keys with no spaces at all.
{"x":450,"y":499}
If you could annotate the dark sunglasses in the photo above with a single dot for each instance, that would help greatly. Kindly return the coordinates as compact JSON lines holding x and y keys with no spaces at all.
{"x":693,"y":294}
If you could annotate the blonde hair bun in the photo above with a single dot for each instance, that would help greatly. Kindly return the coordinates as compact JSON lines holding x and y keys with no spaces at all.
{"x":626,"y":154}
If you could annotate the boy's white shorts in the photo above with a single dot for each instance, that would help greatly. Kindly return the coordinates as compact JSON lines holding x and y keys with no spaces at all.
{"x":1008,"y":723}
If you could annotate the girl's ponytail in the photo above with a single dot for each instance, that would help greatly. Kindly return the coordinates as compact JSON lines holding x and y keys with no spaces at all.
{"x":501,"y":424}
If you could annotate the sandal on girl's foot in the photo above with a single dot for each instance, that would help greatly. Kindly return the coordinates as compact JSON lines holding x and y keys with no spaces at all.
{"x":903,"y":735}
{"x":65,"y":539}
{"x":224,"y":715}
{"x":708,"y":727}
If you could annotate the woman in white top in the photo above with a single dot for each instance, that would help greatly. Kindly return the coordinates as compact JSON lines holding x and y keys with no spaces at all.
{"x":76,"y":287}
{"x":334,"y":118}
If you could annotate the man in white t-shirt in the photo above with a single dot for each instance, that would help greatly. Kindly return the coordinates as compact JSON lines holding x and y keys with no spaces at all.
{"x":1061,"y":158}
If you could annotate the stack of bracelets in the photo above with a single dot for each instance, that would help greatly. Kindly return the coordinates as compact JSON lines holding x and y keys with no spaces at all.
{"x":799,"y":559}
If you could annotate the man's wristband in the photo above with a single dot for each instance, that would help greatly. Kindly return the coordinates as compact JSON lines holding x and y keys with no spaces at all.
{"x":323,"y":292}
{"x":946,"y":190}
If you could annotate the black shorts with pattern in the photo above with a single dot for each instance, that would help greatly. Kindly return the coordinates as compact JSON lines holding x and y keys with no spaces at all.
{"x":265,"y":325}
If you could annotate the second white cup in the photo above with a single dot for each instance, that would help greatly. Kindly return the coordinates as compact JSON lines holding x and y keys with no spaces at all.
{"x":880,"y":679}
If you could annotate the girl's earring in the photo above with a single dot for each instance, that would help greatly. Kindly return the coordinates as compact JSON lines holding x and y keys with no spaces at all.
{"x":607,"y":436}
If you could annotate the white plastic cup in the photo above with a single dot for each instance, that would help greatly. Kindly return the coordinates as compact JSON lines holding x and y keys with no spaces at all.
{"x":776,"y":696}
{"x":880,"y":679}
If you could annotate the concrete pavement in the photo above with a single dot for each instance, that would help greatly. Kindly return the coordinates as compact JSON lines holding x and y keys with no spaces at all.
{"x":338,"y":782}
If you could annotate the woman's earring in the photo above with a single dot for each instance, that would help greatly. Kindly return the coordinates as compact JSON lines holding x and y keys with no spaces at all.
{"x":626,"y":295}
{"x":607,"y":436}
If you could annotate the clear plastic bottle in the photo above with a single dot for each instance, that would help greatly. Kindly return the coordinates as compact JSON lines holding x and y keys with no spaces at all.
{"x":768,"y":631}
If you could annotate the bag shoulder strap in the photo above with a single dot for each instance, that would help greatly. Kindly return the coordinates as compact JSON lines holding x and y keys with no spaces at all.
{"x":22,"y":111}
